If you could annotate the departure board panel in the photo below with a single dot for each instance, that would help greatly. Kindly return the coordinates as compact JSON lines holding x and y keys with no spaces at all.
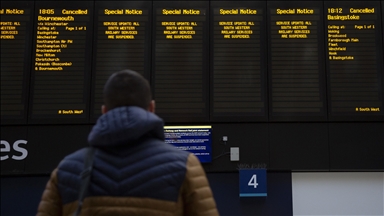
{"x":180,"y":60}
{"x":16,"y":23}
{"x":122,"y":41}
{"x":354,"y":60}
{"x":296,"y":61}
{"x":238,"y":68}
{"x":62,"y":63}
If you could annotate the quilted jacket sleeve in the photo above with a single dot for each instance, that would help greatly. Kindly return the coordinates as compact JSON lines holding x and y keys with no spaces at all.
{"x":197,"y":194}
{"x":50,"y":204}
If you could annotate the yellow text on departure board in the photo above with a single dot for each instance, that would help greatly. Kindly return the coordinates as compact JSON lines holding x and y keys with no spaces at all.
{"x":294,"y":29}
{"x":181,"y":12}
{"x":123,"y":12}
{"x":179,"y":30}
{"x":126,"y":30}
{"x":47,"y":44}
{"x":121,"y":30}
{"x":11,"y":11}
{"x":338,"y":40}
{"x":245,"y":11}
{"x":70,"y":112}
{"x":367,"y":109}
{"x":335,"y":40}
{"x":236,"y":29}
{"x":8,"y":30}
{"x":332,"y":11}
{"x":294,"y":11}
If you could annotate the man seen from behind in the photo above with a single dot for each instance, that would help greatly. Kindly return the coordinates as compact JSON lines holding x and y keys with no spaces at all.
{"x":134,"y":171}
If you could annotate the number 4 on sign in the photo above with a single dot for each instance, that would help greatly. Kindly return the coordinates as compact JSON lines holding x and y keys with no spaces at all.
{"x":253,"y":181}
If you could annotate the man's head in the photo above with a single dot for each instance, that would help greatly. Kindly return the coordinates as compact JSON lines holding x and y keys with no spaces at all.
{"x":127,"y":88}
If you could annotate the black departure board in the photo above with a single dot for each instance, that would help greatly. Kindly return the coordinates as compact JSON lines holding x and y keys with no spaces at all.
{"x":122,"y":41}
{"x":354,"y":60}
{"x":238,"y":64}
{"x":61,"y":63}
{"x":296,"y":73}
{"x":16,"y":23}
{"x":180,"y":60}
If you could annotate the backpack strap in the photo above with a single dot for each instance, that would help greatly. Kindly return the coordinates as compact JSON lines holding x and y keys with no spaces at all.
{"x":85,"y":178}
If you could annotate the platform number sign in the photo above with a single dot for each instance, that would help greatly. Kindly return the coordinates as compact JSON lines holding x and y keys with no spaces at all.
{"x":253,"y":182}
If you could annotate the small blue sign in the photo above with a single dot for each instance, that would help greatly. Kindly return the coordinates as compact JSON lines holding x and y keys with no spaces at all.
{"x":253,"y":182}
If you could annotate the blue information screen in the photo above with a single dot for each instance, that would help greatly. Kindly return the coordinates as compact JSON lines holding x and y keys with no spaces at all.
{"x":195,"y":139}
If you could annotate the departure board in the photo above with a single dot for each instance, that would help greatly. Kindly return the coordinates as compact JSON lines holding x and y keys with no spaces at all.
{"x":354,"y":60}
{"x":296,"y":61}
{"x":122,"y":41}
{"x":62,"y":62}
{"x":180,"y":60}
{"x":238,"y":44}
{"x":15,"y":44}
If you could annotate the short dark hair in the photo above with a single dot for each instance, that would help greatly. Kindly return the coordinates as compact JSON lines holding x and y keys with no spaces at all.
{"x":127,"y":88}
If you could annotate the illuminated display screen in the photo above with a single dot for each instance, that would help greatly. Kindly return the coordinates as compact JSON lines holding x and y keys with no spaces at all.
{"x":296,"y":61}
{"x":15,"y":44}
{"x":122,"y":42}
{"x":195,"y":139}
{"x":238,"y":64}
{"x":354,"y":60}
{"x":207,"y":61}
{"x":61,"y":62}
{"x":180,"y":60}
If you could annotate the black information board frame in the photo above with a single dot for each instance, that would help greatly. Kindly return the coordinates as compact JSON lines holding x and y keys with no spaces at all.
{"x":370,"y":93}
{"x":8,"y":81}
{"x":133,"y":17}
{"x":238,"y":64}
{"x":297,"y":89}
{"x":185,"y":97}
{"x":208,"y":81}
{"x":77,"y":112}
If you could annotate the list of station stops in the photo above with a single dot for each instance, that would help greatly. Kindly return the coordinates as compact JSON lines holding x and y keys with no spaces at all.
{"x":354,"y":60}
{"x":206,"y":61}
{"x":61,"y":67}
